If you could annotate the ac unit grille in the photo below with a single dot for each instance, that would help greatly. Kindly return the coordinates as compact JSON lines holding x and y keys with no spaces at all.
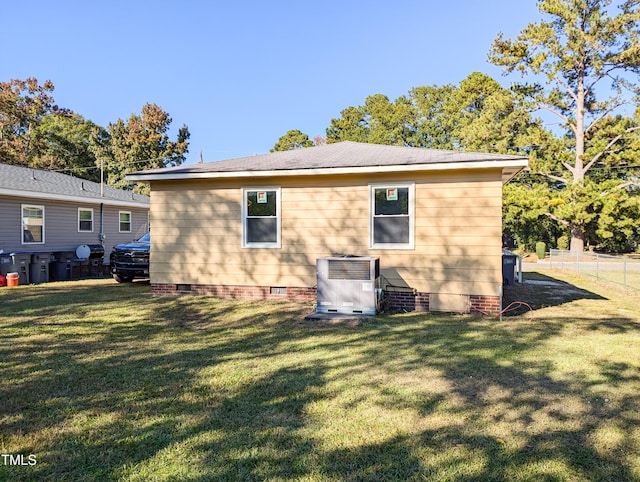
{"x":349,"y":269}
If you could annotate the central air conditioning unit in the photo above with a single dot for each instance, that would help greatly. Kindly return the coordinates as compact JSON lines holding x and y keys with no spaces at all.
{"x":348,"y":285}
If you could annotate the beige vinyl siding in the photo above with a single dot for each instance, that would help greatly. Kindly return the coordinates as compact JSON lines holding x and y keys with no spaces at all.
{"x":197,"y":231}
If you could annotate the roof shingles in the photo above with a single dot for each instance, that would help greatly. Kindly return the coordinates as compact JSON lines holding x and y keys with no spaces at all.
{"x":342,"y":155}
{"x":28,"y":180}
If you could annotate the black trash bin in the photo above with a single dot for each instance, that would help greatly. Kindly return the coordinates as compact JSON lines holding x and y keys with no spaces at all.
{"x":5,"y":262}
{"x":508,"y":268}
{"x":39,"y":270}
{"x":16,"y":263}
{"x":62,"y":262}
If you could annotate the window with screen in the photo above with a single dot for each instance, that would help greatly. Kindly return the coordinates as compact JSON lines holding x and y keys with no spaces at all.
{"x":32,"y":224}
{"x":261,"y":218}
{"x":124,"y":222}
{"x":392,"y":216}
{"x":85,"y":220}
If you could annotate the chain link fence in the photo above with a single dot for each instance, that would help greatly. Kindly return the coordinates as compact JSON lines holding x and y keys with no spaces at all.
{"x":620,"y":270}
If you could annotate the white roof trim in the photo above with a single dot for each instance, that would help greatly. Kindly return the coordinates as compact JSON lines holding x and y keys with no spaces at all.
{"x":517,"y":163}
{"x":62,"y":197}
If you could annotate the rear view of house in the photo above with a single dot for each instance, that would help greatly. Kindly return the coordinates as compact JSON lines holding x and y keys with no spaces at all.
{"x":256,"y":227}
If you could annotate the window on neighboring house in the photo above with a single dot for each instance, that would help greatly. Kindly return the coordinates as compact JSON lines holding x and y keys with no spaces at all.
{"x":261,"y":218}
{"x":32,"y":224}
{"x":392,"y":216}
{"x":85,"y":220}
{"x":125,"y":222}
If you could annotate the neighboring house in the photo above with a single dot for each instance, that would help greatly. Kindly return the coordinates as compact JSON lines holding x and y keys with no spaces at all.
{"x":44,"y":211}
{"x":254,"y":227}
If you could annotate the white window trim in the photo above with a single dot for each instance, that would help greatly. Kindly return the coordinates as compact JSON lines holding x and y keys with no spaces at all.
{"x":278,"y":243}
{"x":85,"y":230}
{"x":412,"y":215}
{"x":22,"y":206}
{"x":130,"y":222}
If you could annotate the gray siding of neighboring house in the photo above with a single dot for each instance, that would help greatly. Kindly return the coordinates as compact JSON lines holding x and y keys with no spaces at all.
{"x":61,"y":225}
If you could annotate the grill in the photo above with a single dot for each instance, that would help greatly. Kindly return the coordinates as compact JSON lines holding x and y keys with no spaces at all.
{"x":97,"y":251}
{"x":89,"y":251}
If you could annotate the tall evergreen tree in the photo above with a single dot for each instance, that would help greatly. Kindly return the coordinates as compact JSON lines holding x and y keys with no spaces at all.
{"x":583,"y":61}
{"x":293,"y":139}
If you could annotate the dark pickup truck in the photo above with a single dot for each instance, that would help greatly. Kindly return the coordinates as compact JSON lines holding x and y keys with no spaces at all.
{"x":130,"y":260}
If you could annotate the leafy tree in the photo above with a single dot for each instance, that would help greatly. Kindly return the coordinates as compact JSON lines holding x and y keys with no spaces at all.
{"x":293,"y":139}
{"x":378,"y":121}
{"x":524,"y":213}
{"x":435,"y":117}
{"x":143,"y":143}
{"x":617,"y":228}
{"x":478,"y":114}
{"x":68,"y":142}
{"x":351,"y":126}
{"x":35,"y":132}
{"x":584,"y":63}
{"x":23,"y":104}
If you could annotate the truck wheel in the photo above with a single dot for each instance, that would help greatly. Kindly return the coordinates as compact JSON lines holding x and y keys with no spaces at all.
{"x":122,"y":279}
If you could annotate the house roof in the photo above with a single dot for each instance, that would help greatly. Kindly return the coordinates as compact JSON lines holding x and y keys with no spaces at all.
{"x":36,"y":183}
{"x":339,"y":158}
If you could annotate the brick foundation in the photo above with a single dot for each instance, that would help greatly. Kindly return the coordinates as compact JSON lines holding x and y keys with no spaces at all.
{"x":417,"y":301}
{"x":230,"y":292}
{"x":488,"y":305}
{"x":407,"y":301}
{"x":395,"y":300}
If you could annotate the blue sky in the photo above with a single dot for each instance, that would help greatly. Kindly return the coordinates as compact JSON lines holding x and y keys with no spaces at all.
{"x":242,"y":73}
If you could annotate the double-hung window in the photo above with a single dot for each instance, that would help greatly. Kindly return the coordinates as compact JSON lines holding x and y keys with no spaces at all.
{"x":85,"y":220}
{"x":32,"y":224}
{"x":261,"y":217}
{"x":124,"y":224}
{"x":392,"y":216}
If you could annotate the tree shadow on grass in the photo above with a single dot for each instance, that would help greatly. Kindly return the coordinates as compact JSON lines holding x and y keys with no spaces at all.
{"x":199,"y":389}
{"x":117,"y":375}
{"x":517,"y":413}
{"x":541,"y":291}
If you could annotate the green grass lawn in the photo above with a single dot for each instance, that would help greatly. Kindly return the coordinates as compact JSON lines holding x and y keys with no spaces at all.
{"x":629,"y":280}
{"x":100,"y":381}
{"x":621,"y":271}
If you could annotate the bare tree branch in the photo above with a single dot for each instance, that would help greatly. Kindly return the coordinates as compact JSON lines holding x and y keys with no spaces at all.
{"x":569,"y":167}
{"x":628,"y":184}
{"x":566,"y":87}
{"x":558,"y":114}
{"x":556,"y":218}
{"x":605,"y":114}
{"x":551,"y":176}
{"x":620,"y":186}
{"x":606,"y":73}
